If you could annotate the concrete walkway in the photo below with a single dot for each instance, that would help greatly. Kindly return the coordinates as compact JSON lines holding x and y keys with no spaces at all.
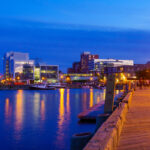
{"x":136,"y":130}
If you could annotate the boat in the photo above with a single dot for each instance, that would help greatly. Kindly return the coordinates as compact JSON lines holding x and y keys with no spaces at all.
{"x":101,"y":87}
{"x":86,"y":87}
{"x":56,"y":85}
{"x":41,"y":87}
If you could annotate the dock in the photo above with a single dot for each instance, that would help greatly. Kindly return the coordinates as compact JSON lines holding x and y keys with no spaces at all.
{"x":91,"y":113}
{"x":128,"y":128}
{"x":135,"y":134}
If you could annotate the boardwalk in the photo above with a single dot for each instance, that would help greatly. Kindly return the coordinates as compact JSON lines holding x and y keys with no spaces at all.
{"x":136,"y":131}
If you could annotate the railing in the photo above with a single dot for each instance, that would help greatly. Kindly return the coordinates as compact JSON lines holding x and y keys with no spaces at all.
{"x":109,"y":124}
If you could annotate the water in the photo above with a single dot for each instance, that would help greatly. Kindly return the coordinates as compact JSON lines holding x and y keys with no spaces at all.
{"x":44,"y":120}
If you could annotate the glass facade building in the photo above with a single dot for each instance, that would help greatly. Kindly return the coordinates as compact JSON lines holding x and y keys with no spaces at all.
{"x":98,"y":65}
{"x":48,"y":73}
{"x":18,"y":66}
{"x":13,"y":63}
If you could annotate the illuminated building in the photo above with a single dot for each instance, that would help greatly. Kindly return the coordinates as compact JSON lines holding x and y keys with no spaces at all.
{"x":37,"y":73}
{"x":79,"y":76}
{"x":28,"y":72}
{"x":19,"y":67}
{"x":86,"y":57}
{"x":13,"y":64}
{"x":83,"y":65}
{"x":48,"y":73}
{"x":99,"y":65}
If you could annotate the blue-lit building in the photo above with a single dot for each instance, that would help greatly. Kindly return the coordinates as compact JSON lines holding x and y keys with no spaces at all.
{"x":18,"y":66}
{"x":13,"y":63}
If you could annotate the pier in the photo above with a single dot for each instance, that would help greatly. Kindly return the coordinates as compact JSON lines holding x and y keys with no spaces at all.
{"x":128,"y":128}
{"x":91,"y":113}
{"x":135,"y":134}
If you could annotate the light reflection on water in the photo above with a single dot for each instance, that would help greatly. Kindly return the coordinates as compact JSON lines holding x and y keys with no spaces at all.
{"x":19,"y":113}
{"x":42,"y":110}
{"x":31,"y":120}
{"x":68,"y":102}
{"x":91,"y":97}
{"x":7,"y":111}
{"x":36,"y":106}
{"x":61,"y":109}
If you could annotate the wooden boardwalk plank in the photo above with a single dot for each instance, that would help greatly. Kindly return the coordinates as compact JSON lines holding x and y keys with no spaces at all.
{"x":136,"y":131}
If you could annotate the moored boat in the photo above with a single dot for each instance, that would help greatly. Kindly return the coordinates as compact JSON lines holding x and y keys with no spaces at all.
{"x":41,"y":87}
{"x":56,"y":85}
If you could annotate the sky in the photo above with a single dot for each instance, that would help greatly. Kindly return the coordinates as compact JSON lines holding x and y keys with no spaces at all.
{"x":57,"y":31}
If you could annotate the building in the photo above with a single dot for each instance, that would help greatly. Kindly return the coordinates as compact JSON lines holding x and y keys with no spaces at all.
{"x":85,"y":59}
{"x":99,"y":65}
{"x":76,"y":68}
{"x":129,"y":71}
{"x":47,"y":73}
{"x":28,"y":72}
{"x":83,"y":65}
{"x":19,"y":67}
{"x":13,"y":63}
{"x":78,"y":76}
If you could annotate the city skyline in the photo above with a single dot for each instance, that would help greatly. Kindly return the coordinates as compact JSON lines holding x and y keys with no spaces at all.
{"x":56,"y":33}
{"x":74,"y":74}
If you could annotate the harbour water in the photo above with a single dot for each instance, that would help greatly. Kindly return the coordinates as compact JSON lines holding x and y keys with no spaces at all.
{"x":44,"y":120}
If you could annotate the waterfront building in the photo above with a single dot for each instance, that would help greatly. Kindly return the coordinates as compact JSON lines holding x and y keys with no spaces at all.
{"x":86,"y":57}
{"x":78,"y":76}
{"x":47,"y":73}
{"x":19,"y":67}
{"x":76,"y":68}
{"x":28,"y":72}
{"x":99,"y":65}
{"x":83,"y":65}
{"x":13,"y":63}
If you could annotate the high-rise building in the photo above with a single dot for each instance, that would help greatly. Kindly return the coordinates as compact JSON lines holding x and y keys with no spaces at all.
{"x":83,"y":65}
{"x":13,"y":63}
{"x":86,"y":57}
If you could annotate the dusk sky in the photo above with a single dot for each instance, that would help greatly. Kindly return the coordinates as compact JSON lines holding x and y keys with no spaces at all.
{"x":57,"y":31}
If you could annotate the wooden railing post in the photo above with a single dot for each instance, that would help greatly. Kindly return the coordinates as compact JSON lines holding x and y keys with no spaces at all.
{"x":110,"y":93}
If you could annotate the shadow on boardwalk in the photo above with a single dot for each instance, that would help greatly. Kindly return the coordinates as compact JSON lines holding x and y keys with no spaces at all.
{"x":136,"y":130}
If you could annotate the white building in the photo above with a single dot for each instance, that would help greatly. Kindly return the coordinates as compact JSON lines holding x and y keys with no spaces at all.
{"x":99,"y":64}
{"x":13,"y":63}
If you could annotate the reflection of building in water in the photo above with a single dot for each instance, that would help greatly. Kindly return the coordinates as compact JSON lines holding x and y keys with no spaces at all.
{"x":84,"y":100}
{"x":61,"y":107}
{"x":68,"y":100}
{"x":61,"y":117}
{"x":36,"y":105}
{"x":98,"y":99}
{"x":104,"y":94}
{"x":42,"y":110}
{"x":117,"y":92}
{"x":19,"y":111}
{"x":7,"y":110}
{"x":91,"y":98}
